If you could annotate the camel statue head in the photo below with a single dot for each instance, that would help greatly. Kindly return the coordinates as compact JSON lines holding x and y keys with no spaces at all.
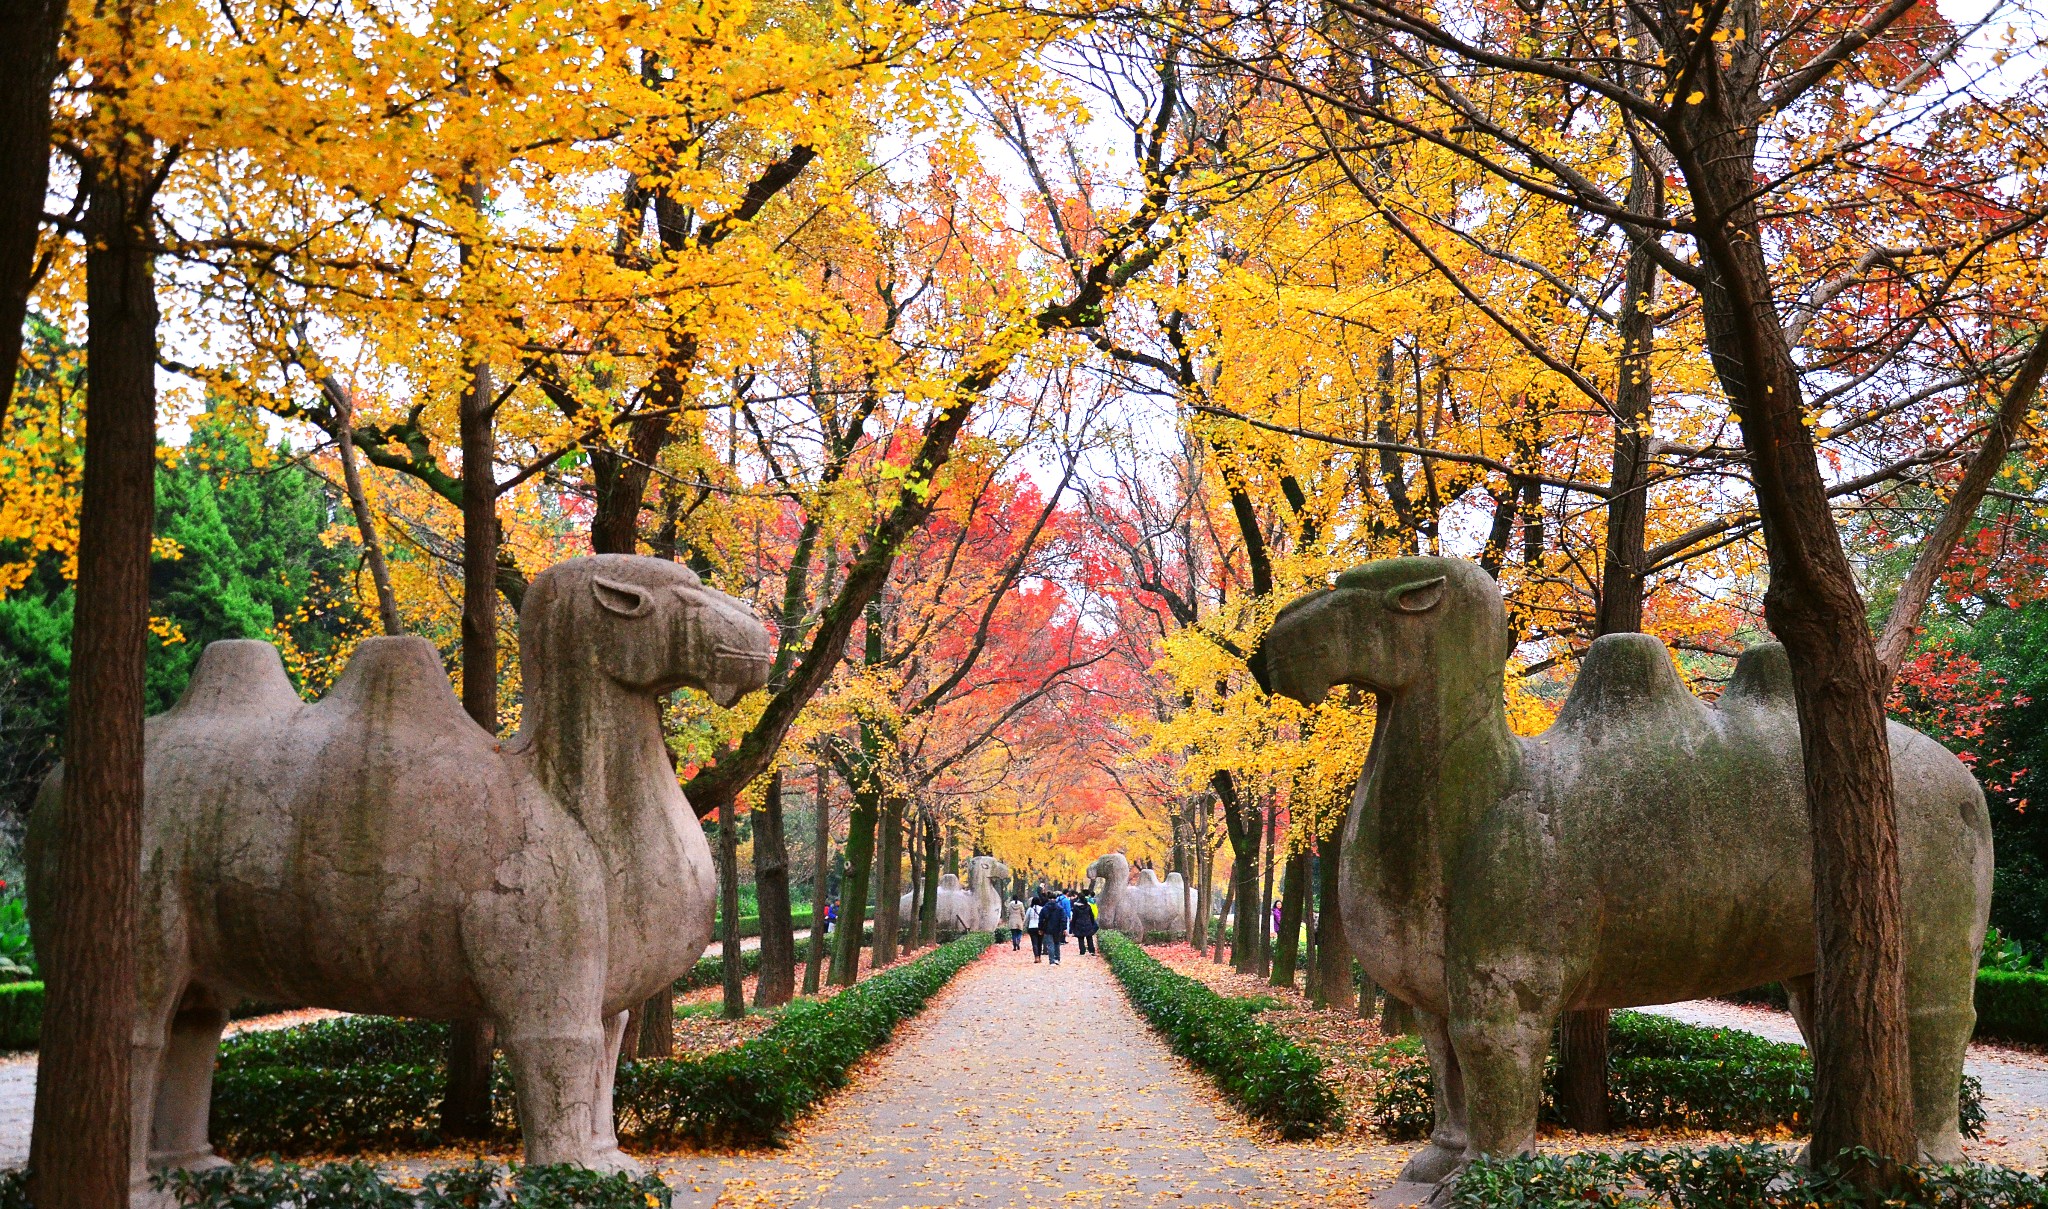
{"x":1384,"y":626}
{"x":648,"y":625}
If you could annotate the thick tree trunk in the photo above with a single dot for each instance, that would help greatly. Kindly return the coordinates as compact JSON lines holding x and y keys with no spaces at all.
{"x":1333,"y":984}
{"x":889,"y":883}
{"x":466,"y":1100}
{"x":930,"y":912}
{"x":1287,"y":939}
{"x":28,"y":65}
{"x":1582,"y":1035}
{"x":734,"y":962}
{"x":1241,"y":828}
{"x":821,"y":804}
{"x":79,"y":1142}
{"x":853,"y":889}
{"x":1263,"y":959}
{"x":1862,"y":1091}
{"x":777,"y":983}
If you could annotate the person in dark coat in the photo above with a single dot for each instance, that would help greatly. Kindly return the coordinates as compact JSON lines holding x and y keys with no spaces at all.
{"x":1084,"y":926}
{"x":1052,"y":921}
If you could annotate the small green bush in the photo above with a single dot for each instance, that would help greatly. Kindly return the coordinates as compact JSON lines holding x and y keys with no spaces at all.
{"x":2012,"y":1005}
{"x":21,"y":1015}
{"x":1270,"y":1077}
{"x":1663,"y":1072}
{"x":1735,"y":1177}
{"x":362,"y":1186}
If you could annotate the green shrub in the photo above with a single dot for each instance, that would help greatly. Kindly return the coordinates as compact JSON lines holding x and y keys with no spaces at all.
{"x":1663,"y":1072}
{"x":367,"y":1082}
{"x":2012,"y":1005}
{"x":362,"y":1186}
{"x":1273,"y":1079}
{"x":1737,"y":1177}
{"x":21,"y":1015}
{"x":751,"y":1094}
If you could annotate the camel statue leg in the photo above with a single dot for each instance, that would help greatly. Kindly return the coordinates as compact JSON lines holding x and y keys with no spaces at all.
{"x":1446,"y":1149}
{"x":1500,"y":1025}
{"x":184,"y":1096}
{"x":1941,"y":1013}
{"x":605,"y":1138}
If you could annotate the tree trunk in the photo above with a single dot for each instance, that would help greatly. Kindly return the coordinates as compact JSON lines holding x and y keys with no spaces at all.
{"x":1263,"y":958}
{"x":1241,"y":828}
{"x":1582,"y":1034}
{"x":930,"y":913}
{"x":853,"y":888}
{"x":821,"y":803}
{"x":1287,"y":940}
{"x":889,"y":883}
{"x":79,"y":1147}
{"x":1229,"y":904}
{"x":28,"y":66}
{"x":466,"y":1100}
{"x":734,"y":965}
{"x":777,"y":983}
{"x":1333,"y":982}
{"x":359,"y":505}
{"x":1397,"y":1019}
{"x":1862,"y":1092}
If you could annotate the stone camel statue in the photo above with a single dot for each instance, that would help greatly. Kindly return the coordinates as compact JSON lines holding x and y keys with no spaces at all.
{"x":1149,"y":906}
{"x":975,"y":907}
{"x":377,"y":851}
{"x":1645,"y":849}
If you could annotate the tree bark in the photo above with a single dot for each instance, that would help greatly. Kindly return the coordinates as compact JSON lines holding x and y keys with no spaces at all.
{"x":1333,"y":984}
{"x":466,"y":1100}
{"x":820,"y":891}
{"x":1287,"y":938}
{"x":777,"y":984}
{"x":889,"y":882}
{"x":1263,"y":959}
{"x":733,"y":960}
{"x":1229,"y":903}
{"x":930,"y":912}
{"x":1241,"y":828}
{"x":853,"y":889}
{"x":1862,"y":1092}
{"x":359,"y":504}
{"x":79,"y":1142}
{"x":28,"y":67}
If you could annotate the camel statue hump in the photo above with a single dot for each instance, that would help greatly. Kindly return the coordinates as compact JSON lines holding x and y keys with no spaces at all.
{"x":399,"y":680}
{"x":1762,"y":680}
{"x":1626,"y":680}
{"x":238,"y":677}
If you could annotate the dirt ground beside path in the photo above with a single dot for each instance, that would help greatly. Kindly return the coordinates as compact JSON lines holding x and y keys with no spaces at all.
{"x":1030,"y":1086}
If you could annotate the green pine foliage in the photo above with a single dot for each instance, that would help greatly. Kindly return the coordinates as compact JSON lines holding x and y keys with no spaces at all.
{"x":1270,"y":1077}
{"x":1737,"y":1177}
{"x":1661,"y":1073}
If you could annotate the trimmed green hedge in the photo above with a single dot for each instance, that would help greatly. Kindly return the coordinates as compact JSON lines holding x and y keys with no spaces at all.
{"x":366,"y":1083}
{"x":1662,"y":1072}
{"x":362,"y":1186}
{"x":21,"y":1015}
{"x":2011,"y":1006}
{"x":1749,"y":1177}
{"x":1269,"y":1076}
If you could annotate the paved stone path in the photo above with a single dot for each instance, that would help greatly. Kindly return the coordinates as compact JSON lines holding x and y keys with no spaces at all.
{"x":1030,"y":1085}
{"x":2015,"y":1080}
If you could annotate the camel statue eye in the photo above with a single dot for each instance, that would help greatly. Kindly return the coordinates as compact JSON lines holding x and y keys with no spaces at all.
{"x":1418,"y":597}
{"x":619,"y":597}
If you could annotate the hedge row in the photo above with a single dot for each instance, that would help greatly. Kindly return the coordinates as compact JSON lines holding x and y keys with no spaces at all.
{"x":366,"y":1083}
{"x":1739,"y":1177}
{"x":2011,"y":1006}
{"x":21,"y":1015}
{"x":362,"y":1186}
{"x":1269,"y":1076}
{"x":1661,"y":1072}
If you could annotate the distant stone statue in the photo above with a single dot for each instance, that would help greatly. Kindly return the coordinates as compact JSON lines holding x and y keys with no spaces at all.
{"x":975,"y":907}
{"x":377,"y":851}
{"x":1149,"y":906}
{"x":1644,"y":849}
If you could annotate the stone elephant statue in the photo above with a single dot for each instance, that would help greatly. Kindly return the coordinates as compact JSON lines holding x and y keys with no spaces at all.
{"x":1647,"y":848}
{"x":378,"y":851}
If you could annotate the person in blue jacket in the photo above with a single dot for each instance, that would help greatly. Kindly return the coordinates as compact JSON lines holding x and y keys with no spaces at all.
{"x":1084,"y":925}
{"x":1052,"y":921}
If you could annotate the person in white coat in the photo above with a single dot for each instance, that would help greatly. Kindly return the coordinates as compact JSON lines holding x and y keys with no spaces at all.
{"x":1031,"y":926}
{"x":1013,"y":921}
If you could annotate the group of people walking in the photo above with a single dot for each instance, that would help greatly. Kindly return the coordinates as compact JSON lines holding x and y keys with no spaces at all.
{"x":1048,"y":919}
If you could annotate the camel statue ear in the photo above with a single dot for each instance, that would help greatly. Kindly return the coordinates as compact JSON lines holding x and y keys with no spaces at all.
{"x":1418,"y":597}
{"x":620,"y":598}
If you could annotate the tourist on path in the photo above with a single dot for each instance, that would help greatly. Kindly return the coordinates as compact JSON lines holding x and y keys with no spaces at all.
{"x":1084,"y":925}
{"x":1013,"y":921}
{"x":1033,"y":915}
{"x":1053,"y":922}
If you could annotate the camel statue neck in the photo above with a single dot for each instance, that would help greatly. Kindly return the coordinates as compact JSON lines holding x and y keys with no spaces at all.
{"x":597,"y":748}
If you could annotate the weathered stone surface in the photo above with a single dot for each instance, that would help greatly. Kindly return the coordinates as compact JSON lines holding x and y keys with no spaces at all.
{"x":1645,"y":849}
{"x":1148,"y":905}
{"x":377,"y":851}
{"x":974,"y":907}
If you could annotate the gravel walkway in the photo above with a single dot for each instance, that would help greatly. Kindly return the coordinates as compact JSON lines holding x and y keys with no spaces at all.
{"x":2015,"y":1080}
